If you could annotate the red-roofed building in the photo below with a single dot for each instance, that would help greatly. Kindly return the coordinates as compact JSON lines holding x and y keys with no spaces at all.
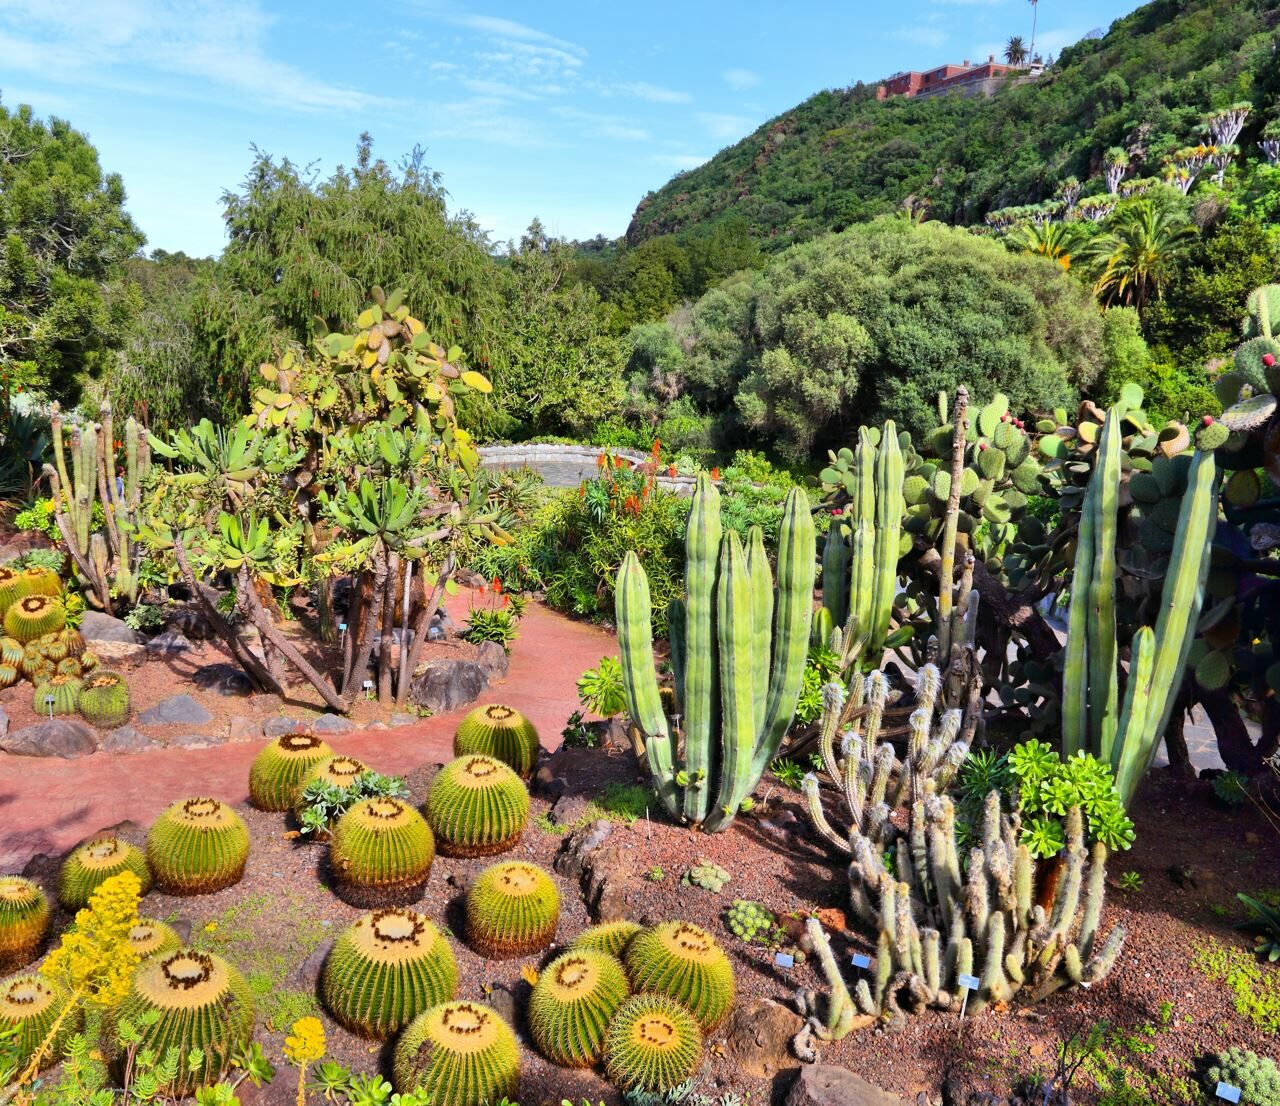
{"x":969,"y":80}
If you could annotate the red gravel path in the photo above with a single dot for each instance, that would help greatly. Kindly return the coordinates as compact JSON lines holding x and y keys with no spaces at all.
{"x":48,"y":805}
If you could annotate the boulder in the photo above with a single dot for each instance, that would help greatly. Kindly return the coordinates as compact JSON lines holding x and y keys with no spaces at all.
{"x":600,"y":866}
{"x":758,"y":1037}
{"x":280,"y":725}
{"x":448,"y":684}
{"x":177,"y":710}
{"x":243,"y":729}
{"x":306,"y":976}
{"x":117,"y":654}
{"x":493,"y":659}
{"x":568,"y":810}
{"x":126,"y":739}
{"x":573,"y":860}
{"x":169,"y":642}
{"x":191,"y":622}
{"x":403,"y":718}
{"x":97,"y":626}
{"x":222,"y":678}
{"x":192,"y":741}
{"x":829,"y":1085}
{"x":4,"y":723}
{"x":332,"y":724}
{"x":58,"y":737}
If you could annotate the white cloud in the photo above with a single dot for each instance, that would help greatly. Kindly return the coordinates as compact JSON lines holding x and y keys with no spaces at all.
{"x":192,"y":46}
{"x":932,"y":37}
{"x":740,"y":79}
{"x":723,"y":126}
{"x":655,"y":94}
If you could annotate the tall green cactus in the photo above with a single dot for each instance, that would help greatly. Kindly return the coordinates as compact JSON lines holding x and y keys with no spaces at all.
{"x":104,"y":561}
{"x":1090,"y":690}
{"x":860,"y":568}
{"x":738,"y":654}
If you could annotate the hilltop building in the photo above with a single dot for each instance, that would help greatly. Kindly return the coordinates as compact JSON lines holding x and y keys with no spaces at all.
{"x":981,"y":79}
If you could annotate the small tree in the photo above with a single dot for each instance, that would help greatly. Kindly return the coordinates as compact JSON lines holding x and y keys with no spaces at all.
{"x":1116,"y":163}
{"x":1271,"y":141}
{"x":1015,"y":51}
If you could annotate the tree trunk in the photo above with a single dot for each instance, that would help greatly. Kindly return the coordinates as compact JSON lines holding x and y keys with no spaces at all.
{"x":388,"y":629}
{"x":1234,"y":746}
{"x":370,"y":617}
{"x":421,"y":626}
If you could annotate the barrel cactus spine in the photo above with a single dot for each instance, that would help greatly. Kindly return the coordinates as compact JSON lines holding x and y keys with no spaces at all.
{"x":381,"y":853}
{"x":9,"y":675}
{"x":93,"y":863}
{"x":501,"y":732}
{"x":53,"y":647}
{"x":459,"y":1053}
{"x":653,"y":1045}
{"x":150,"y":937}
{"x":38,"y":580}
{"x":197,"y":846}
{"x":609,"y":937}
{"x":684,"y":962}
{"x":477,"y":806}
{"x":190,"y":1000}
{"x":512,"y":909}
{"x":24,"y":921}
{"x":11,"y":651}
{"x":723,"y":653}
{"x":33,"y":616}
{"x":58,"y":695}
{"x":277,"y":772}
{"x":104,"y":697}
{"x":8,"y":587}
{"x":31,"y":1006}
{"x":572,"y":1004}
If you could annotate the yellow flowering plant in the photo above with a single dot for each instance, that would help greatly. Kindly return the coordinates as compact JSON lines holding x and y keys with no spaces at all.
{"x":303,"y":1047}
{"x":94,"y":960}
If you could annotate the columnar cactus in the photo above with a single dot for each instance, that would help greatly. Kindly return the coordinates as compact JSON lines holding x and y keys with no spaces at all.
{"x":736,"y":679}
{"x":1126,"y":734}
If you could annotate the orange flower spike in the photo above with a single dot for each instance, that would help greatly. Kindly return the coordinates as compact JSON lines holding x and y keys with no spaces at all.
{"x":715,"y":473}
{"x":497,"y":586}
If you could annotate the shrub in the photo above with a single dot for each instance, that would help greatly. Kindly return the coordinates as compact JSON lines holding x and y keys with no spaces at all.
{"x":477,"y":806}
{"x":197,"y":846}
{"x":385,"y":970}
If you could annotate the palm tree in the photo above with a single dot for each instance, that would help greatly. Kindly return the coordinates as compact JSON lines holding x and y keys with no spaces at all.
{"x":1057,"y":241}
{"x":1015,"y":51}
{"x":1035,"y":13}
{"x":1134,"y":260}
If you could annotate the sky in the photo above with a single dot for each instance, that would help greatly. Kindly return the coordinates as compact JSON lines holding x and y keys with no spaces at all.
{"x":569,"y":111}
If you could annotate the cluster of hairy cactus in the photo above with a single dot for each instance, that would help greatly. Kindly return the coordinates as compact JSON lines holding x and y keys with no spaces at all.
{"x":381,"y":852}
{"x":502,"y":733}
{"x":1256,"y":1076}
{"x":867,"y":775}
{"x":477,"y":806}
{"x":277,"y":773}
{"x":24,"y":920}
{"x":386,"y":969}
{"x":938,"y":923}
{"x":32,"y":1008}
{"x":574,"y":1000}
{"x":93,"y":863}
{"x":738,"y":652}
{"x":195,"y":1002}
{"x":197,"y":846}
{"x":512,"y":909}
{"x":459,"y":1054}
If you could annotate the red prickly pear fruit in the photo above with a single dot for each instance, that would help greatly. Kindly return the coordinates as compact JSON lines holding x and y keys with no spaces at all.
{"x":1269,"y":359}
{"x":1208,"y":419}
{"x":982,"y":445}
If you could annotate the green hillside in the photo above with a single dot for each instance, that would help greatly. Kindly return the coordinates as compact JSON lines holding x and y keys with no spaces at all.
{"x":842,"y":157}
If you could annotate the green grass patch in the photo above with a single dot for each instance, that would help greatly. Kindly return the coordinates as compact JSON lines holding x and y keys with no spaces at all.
{"x":625,"y":803}
{"x":267,"y":938}
{"x":1254,"y":987}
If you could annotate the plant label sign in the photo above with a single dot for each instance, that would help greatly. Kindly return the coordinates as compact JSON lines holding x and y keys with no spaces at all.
{"x":785,"y":960}
{"x":1227,"y":1092}
{"x":969,"y":982}
{"x":861,"y":961}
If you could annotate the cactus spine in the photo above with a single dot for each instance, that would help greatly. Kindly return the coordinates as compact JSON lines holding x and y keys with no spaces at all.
{"x":734,"y":719}
{"x":1091,"y":680}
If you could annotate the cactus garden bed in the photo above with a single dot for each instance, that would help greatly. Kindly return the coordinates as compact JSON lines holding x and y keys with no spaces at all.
{"x":1164,"y":1008}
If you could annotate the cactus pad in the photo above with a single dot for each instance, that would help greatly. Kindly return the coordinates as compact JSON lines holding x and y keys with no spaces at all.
{"x":572,"y":1004}
{"x":682,"y":961}
{"x":512,"y":910}
{"x":459,"y":1053}
{"x":31,"y":1005}
{"x":501,"y":732}
{"x":609,"y":937}
{"x":381,"y":852}
{"x":63,"y":690}
{"x":96,"y":861}
{"x":104,"y":697}
{"x":198,"y":1001}
{"x":24,"y":920}
{"x":385,"y":970}
{"x":477,"y":806}
{"x":197,"y":846}
{"x":653,"y":1045}
{"x":276,"y":775}
{"x":33,"y":616}
{"x":150,"y":937}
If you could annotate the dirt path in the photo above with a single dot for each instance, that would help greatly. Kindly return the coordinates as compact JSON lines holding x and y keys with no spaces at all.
{"x":48,"y":805}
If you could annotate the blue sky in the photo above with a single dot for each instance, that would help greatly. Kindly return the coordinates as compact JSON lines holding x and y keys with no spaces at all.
{"x":570,"y":111}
